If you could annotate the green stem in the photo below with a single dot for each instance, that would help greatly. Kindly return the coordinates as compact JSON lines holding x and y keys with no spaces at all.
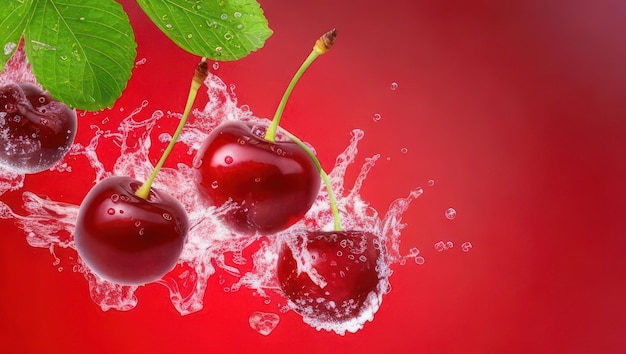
{"x":270,"y":135}
{"x":322,"y":45}
{"x":329,"y":187}
{"x":198,"y":78}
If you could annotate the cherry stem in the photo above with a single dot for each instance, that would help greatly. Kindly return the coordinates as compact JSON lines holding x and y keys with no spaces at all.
{"x":322,"y":45}
{"x":325,"y":179}
{"x":202,"y":71}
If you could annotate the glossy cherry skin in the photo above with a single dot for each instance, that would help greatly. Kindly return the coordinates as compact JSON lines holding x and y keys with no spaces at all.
{"x":35,"y":131}
{"x":270,"y":185}
{"x":346,"y":261}
{"x":126,"y":239}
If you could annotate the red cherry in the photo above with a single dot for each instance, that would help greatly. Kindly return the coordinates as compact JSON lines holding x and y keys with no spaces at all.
{"x":271,"y":184}
{"x":127,"y":239}
{"x":346,"y":264}
{"x":35,"y":131}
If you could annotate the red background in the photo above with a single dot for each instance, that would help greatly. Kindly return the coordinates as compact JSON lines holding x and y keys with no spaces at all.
{"x":515,"y":108}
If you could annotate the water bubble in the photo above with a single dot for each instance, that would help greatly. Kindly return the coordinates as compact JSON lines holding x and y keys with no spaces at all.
{"x":189,"y":35}
{"x":216,"y":65}
{"x":239,"y":26}
{"x":394,"y":86}
{"x":140,"y":61}
{"x":419,"y":260}
{"x":63,"y":57}
{"x":237,"y":14}
{"x":466,"y":246}
{"x":404,"y":150}
{"x":450,"y":213}
{"x":440,"y":246}
{"x":449,"y":245}
{"x":257,"y":180}
{"x":264,"y":323}
{"x":431,"y":182}
{"x":228,"y":160}
{"x":224,"y":16}
{"x":111,"y":211}
{"x":9,"y":48}
{"x":168,"y":26}
{"x":214,"y":184}
{"x":115,"y":198}
{"x":377,"y":117}
{"x":82,"y":19}
{"x":167,"y":216}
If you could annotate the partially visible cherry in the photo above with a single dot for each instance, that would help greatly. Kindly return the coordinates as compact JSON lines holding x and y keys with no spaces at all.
{"x":35,"y":130}
{"x":345,"y":264}
{"x":127,"y":239}
{"x":271,"y":185}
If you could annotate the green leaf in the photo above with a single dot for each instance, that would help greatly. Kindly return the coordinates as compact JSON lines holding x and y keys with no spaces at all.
{"x":216,"y":29}
{"x":81,"y":51}
{"x":13,"y":19}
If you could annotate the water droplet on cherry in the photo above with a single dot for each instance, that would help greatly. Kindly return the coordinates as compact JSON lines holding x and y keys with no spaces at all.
{"x":377,"y":117}
{"x":115,"y":198}
{"x":394,"y":86}
{"x":228,"y":160}
{"x":111,"y":211}
{"x":216,"y":65}
{"x":466,"y":246}
{"x":431,"y":182}
{"x":450,"y":213}
{"x":404,"y":150}
{"x":214,"y":184}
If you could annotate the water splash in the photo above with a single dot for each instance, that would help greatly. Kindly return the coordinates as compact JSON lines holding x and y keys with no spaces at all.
{"x":249,"y":262}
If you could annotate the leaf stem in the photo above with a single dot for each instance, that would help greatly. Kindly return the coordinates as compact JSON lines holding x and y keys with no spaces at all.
{"x":202,"y":71}
{"x":322,"y":45}
{"x":329,"y":188}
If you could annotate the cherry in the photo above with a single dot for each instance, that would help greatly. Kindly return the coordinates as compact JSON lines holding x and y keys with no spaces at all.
{"x":128,"y":232}
{"x":35,"y":130}
{"x":271,"y":185}
{"x":265,"y":185}
{"x":344,"y":266}
{"x":127,"y":239}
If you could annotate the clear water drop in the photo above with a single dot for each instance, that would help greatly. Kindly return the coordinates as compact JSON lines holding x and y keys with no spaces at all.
{"x":394,"y":86}
{"x":450,"y":213}
{"x":237,"y":14}
{"x":404,"y":150}
{"x":466,"y":246}
{"x":431,"y":182}
{"x":377,"y":117}
{"x":224,"y":16}
{"x":216,"y":65}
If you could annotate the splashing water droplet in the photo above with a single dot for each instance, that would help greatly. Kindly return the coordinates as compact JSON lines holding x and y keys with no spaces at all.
{"x":450,"y":213}
{"x":9,"y":48}
{"x":263,"y":322}
{"x":466,"y":246}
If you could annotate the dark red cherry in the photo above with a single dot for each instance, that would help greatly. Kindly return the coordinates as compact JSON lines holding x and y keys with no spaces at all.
{"x":35,"y":130}
{"x":347,"y":267}
{"x":127,"y":239}
{"x":270,"y":185}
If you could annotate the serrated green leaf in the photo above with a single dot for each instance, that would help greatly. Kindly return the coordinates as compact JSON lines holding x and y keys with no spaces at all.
{"x":13,"y":19}
{"x":216,"y":29}
{"x":81,"y":51}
